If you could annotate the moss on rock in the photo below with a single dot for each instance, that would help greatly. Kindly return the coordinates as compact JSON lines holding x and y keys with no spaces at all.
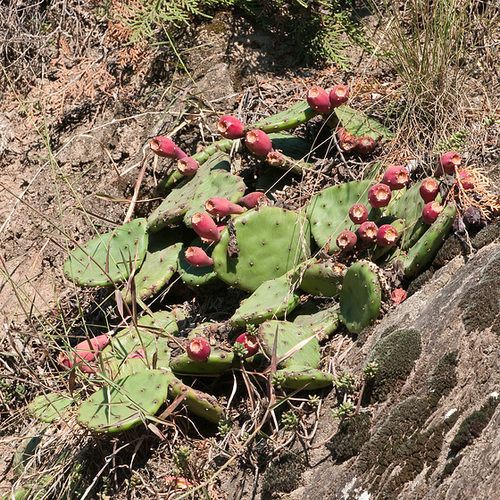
{"x":395,"y":355}
{"x":353,"y":433}
{"x":443,"y":378}
{"x":284,"y":474}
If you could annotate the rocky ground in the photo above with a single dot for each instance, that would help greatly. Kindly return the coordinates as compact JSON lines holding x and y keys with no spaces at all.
{"x":70,"y":151}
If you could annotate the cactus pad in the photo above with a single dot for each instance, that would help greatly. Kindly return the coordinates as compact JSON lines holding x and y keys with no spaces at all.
{"x":158,"y":267}
{"x":358,"y":124}
{"x":322,"y":278}
{"x":304,"y":377}
{"x":273,"y":299}
{"x":126,"y":403}
{"x":218,"y":362}
{"x":49,"y":407}
{"x":212,"y":179}
{"x":360,"y":297}
{"x":289,"y":335}
{"x":328,"y":212}
{"x":109,"y":258}
{"x":270,"y":241}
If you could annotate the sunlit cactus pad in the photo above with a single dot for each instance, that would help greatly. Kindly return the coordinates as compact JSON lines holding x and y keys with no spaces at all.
{"x":270,"y":242}
{"x":125,"y":404}
{"x":109,"y":258}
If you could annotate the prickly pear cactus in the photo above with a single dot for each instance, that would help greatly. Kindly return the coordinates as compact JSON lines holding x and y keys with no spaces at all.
{"x":219,"y":361}
{"x":273,"y":299}
{"x":126,"y":403}
{"x":287,"y":337}
{"x":159,"y":266}
{"x":303,"y":377}
{"x":260,"y":245}
{"x":322,"y":278}
{"x":358,"y":124}
{"x":360,"y":297}
{"x":109,"y":258}
{"x":328,"y":212}
{"x":213,"y":179}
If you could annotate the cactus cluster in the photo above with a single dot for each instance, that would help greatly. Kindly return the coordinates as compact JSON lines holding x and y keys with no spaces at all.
{"x":214,"y":232}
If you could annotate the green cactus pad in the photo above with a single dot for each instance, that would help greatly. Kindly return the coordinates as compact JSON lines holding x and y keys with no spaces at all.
{"x":110,"y":257}
{"x":271,"y":241}
{"x":188,"y":197}
{"x":290,"y":118}
{"x":358,"y":124}
{"x":126,"y":403}
{"x":197,"y":402}
{"x":273,"y":299}
{"x":152,"y":335}
{"x":50,"y":407}
{"x":198,"y":277}
{"x":304,"y":377}
{"x":323,"y":322}
{"x":322,"y":278}
{"x":158,"y":267}
{"x":328,"y":212}
{"x":424,"y":250}
{"x":218,"y":362}
{"x":291,"y":145}
{"x":289,"y":335}
{"x":409,"y":207}
{"x":360,"y":297}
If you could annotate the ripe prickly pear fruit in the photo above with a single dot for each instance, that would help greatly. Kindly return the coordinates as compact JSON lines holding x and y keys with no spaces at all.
{"x":274,"y":158}
{"x":198,"y":349}
{"x":429,"y":189}
{"x":450,"y":161}
{"x":250,"y":342}
{"x":396,"y":177}
{"x":473,"y":218}
{"x":387,"y":236}
{"x":358,"y":213}
{"x":230,"y":127}
{"x":346,"y":240}
{"x":138,"y":354}
{"x":197,"y":257}
{"x":367,"y":231}
{"x":338,"y":95}
{"x":221,"y":207}
{"x":431,"y":211}
{"x":84,"y":352}
{"x":379,"y":195}
{"x":258,"y":142}
{"x":165,"y":147}
{"x":187,"y":166}
{"x":319,"y":100}
{"x":205,"y":226}
{"x":364,"y":145}
{"x":347,"y":142}
{"x":466,"y":180}
{"x":251,"y":200}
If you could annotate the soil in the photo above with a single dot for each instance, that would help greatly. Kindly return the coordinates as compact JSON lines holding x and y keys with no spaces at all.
{"x":69,"y":167}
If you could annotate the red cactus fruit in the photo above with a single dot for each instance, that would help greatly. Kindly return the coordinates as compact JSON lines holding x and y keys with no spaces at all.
{"x":450,"y":161}
{"x":198,"y":349}
{"x":319,"y":100}
{"x":84,"y":352}
{"x":396,"y":177}
{"x":165,"y":147}
{"x":347,"y":142}
{"x":230,"y":127}
{"x":379,"y":195}
{"x":364,"y":145}
{"x":221,"y":207}
{"x":358,"y":213}
{"x":251,"y":200}
{"x":431,"y":211}
{"x":429,"y":189}
{"x":258,"y":142}
{"x":387,"y":236}
{"x":338,"y":95}
{"x":398,"y":295}
{"x":205,"y":226}
{"x":274,"y":158}
{"x":367,"y":231}
{"x":138,"y":354}
{"x":250,"y":342}
{"x":187,"y":166}
{"x":466,"y":179}
{"x":197,"y":257}
{"x":346,"y":240}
